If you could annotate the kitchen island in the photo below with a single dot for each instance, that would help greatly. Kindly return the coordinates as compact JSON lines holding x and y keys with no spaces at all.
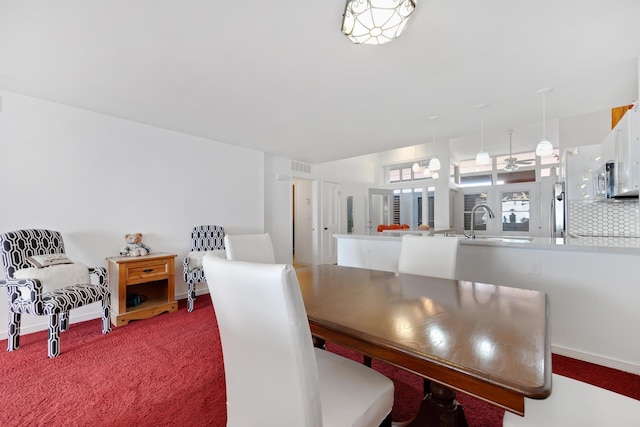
{"x":592,"y":284}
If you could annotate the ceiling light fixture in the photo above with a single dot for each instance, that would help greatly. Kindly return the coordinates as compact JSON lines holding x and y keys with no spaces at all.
{"x":376,"y":21}
{"x":544,"y":147}
{"x":482,"y":158}
{"x":434,"y":163}
{"x":416,"y":165}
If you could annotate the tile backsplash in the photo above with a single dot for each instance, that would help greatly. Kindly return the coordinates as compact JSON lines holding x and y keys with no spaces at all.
{"x":620,"y":218}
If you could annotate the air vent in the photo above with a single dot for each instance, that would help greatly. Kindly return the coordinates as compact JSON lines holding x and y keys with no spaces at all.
{"x":300,"y":167}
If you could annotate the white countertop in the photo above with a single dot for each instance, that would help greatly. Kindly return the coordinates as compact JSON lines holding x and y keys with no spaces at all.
{"x":628,"y":245}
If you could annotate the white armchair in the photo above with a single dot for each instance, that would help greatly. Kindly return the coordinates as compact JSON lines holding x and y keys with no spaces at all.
{"x":274,"y":375}
{"x":250,"y":247}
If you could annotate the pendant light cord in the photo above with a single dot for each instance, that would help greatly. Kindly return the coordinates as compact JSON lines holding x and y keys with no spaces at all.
{"x":434,"y":136}
{"x":544,"y":115}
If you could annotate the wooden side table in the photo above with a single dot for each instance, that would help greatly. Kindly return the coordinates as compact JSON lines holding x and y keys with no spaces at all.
{"x":152,"y":277}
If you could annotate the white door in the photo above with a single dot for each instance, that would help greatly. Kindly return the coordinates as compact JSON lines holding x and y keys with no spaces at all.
{"x":330,"y":222}
{"x":380,"y":208}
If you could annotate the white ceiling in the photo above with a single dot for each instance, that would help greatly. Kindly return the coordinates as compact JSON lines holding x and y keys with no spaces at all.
{"x":280,"y":77}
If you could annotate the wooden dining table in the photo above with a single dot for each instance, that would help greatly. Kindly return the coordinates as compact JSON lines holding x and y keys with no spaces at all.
{"x":491,"y":342}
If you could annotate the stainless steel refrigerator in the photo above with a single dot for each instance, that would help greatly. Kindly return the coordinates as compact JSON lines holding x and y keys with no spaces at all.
{"x":558,"y":212}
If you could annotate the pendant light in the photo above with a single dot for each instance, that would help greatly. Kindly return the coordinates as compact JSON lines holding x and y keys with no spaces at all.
{"x":482,"y":158}
{"x":544,"y":148}
{"x":416,"y":165}
{"x":434,"y":163}
{"x":426,"y":172}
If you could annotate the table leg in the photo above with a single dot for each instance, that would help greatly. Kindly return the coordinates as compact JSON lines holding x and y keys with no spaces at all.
{"x":318,"y":342}
{"x":367,"y":361}
{"x":438,"y":409}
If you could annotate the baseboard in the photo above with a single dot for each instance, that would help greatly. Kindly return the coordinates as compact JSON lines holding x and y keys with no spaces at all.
{"x":598,"y":360}
{"x":42,"y":325}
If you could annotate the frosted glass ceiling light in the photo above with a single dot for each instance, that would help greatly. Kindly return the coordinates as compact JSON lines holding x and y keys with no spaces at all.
{"x":544,"y":148}
{"x":376,"y":21}
{"x":434,"y":163}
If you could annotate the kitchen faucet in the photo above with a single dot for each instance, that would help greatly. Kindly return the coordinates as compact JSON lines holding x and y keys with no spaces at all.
{"x":472,"y":234}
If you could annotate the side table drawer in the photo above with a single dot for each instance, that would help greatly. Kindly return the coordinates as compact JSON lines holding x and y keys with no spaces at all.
{"x":147,"y":272}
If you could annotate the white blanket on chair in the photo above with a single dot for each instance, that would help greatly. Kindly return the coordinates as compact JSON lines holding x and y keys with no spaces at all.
{"x":195,"y":257}
{"x":54,"y":277}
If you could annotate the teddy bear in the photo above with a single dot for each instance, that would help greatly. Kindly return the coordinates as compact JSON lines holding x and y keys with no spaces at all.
{"x":134,"y":245}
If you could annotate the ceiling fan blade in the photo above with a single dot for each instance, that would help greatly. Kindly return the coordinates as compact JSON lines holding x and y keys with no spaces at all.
{"x":525,"y":162}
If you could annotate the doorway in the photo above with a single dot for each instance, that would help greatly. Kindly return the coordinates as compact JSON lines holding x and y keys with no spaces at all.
{"x":302,"y":203}
{"x":316,"y":215}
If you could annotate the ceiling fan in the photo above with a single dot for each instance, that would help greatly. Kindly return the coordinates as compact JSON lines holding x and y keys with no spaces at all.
{"x":512,"y":162}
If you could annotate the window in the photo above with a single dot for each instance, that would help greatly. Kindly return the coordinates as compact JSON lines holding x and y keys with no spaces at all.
{"x":407,"y":206}
{"x":515,"y":211}
{"x":475,"y":180}
{"x":403,"y":173}
{"x":529,"y":169}
{"x":480,"y":219}
{"x":472,"y":175}
{"x":516,"y":177}
{"x":469,"y":167}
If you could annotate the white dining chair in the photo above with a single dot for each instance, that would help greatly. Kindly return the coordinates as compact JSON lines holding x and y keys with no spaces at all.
{"x":434,"y":256}
{"x":576,"y":404}
{"x":428,"y":256}
{"x":274,"y":376}
{"x":250,"y":248}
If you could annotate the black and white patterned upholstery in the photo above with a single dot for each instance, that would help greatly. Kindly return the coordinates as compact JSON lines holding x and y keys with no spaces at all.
{"x":16,"y":247}
{"x":203,"y":238}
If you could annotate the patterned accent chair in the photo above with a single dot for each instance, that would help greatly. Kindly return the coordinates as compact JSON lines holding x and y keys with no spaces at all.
{"x":27,"y":295}
{"x":204,"y":238}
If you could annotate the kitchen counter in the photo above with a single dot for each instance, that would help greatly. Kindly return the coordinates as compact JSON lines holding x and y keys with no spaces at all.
{"x":612,"y":245}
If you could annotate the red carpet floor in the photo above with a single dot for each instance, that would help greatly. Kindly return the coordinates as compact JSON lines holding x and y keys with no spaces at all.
{"x":167,"y":371}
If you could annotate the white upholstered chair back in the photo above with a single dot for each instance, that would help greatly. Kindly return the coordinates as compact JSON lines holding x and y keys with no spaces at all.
{"x":428,"y":256}
{"x":273,"y":374}
{"x":250,"y":248}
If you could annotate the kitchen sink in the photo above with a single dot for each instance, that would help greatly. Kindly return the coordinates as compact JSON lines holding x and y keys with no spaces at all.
{"x":507,"y":239}
{"x":513,"y":239}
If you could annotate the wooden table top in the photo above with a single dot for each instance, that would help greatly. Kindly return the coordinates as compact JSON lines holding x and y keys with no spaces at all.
{"x":485,"y":340}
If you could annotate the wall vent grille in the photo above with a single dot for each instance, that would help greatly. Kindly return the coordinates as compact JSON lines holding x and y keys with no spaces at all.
{"x":297,"y":166}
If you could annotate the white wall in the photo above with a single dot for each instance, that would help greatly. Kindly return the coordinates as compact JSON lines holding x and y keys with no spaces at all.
{"x":94,"y":178}
{"x":586,"y":129}
{"x":277,"y":206}
{"x":304,"y":205}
